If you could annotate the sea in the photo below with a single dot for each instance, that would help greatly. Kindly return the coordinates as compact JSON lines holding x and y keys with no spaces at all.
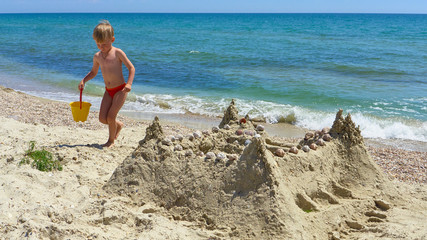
{"x":294,"y":68}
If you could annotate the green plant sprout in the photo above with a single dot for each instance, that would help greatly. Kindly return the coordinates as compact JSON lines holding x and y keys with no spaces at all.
{"x":42,"y":159}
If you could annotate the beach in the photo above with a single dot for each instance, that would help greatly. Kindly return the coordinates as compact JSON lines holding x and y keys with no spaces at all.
{"x":77,"y":203}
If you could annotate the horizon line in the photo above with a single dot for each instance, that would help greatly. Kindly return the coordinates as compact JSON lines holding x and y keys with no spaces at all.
{"x":391,"y":13}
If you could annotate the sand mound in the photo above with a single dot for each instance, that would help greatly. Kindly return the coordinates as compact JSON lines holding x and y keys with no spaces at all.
{"x":231,"y":115}
{"x":240,"y":183}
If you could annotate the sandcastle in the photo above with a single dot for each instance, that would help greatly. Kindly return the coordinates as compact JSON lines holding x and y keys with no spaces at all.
{"x":236,"y":180}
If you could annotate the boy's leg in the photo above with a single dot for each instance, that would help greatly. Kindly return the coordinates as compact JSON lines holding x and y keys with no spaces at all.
{"x":105,"y":107}
{"x":115,"y":126}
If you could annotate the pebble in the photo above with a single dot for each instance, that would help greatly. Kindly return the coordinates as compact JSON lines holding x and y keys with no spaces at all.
{"x":232,"y":157}
{"x":293,"y":150}
{"x":215,"y":129}
{"x":197,"y":134}
{"x":206,"y":133}
{"x":320,"y":142}
{"x":309,"y":135}
{"x":210,"y":155}
{"x":178,"y":148}
{"x":190,"y":137}
{"x":249,"y":133}
{"x":247,"y":142}
{"x":167,"y":142}
{"x":327,"y":137}
{"x":239,"y":132}
{"x":257,"y":135}
{"x":227,"y":127}
{"x":306,"y":148}
{"x":326,"y":130}
{"x":313,"y":146}
{"x":279,"y":152}
{"x":179,"y":137}
{"x":188,"y":153}
{"x":221,"y":156}
{"x":260,"y":128}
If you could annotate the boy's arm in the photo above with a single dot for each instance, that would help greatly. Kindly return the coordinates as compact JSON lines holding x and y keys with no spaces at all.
{"x":130,"y":67}
{"x":91,"y":74}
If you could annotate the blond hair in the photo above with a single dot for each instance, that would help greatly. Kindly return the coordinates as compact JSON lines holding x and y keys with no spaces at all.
{"x":103,"y":31}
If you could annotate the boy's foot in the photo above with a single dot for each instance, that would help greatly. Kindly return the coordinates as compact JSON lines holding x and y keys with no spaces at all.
{"x":108,"y":144}
{"x":119,"y":127}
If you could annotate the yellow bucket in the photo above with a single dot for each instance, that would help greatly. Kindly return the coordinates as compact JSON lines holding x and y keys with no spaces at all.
{"x":80,"y":114}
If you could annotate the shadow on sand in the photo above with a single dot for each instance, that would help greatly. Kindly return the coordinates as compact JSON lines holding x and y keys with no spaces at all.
{"x":94,"y":145}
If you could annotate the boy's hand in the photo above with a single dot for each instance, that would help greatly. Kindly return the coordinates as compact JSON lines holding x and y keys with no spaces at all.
{"x":127,"y":88}
{"x":81,"y":85}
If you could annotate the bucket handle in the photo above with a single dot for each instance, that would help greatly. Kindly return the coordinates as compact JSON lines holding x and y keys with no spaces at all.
{"x":81,"y":91}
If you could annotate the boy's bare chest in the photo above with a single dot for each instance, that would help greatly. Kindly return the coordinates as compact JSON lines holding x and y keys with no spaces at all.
{"x":110,"y":62}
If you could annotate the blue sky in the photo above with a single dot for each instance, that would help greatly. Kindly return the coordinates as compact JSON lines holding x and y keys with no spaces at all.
{"x":223,"y":6}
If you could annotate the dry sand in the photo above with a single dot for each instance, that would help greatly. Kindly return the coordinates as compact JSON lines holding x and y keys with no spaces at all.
{"x":151,"y":189}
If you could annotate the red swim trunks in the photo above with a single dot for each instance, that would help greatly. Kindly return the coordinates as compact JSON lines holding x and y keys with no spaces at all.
{"x":113,"y":91}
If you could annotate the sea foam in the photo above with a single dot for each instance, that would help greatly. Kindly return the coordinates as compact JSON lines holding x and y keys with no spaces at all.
{"x":371,"y":126}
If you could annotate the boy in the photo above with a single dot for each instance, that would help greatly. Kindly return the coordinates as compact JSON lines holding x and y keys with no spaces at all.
{"x":110,"y":59}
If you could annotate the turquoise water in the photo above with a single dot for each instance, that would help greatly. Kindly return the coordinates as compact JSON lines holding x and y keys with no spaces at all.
{"x":275,"y":65}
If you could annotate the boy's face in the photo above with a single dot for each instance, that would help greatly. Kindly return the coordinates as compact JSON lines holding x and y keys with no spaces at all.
{"x":106,"y":45}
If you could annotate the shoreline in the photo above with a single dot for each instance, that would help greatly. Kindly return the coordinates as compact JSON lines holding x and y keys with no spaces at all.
{"x":35,"y":110}
{"x":202,"y":122}
{"x":376,"y":127}
{"x":196,"y":120}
